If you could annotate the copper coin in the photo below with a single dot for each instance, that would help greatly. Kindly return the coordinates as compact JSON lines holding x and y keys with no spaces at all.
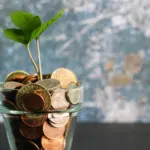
{"x":33,"y":102}
{"x":52,"y":132}
{"x":47,"y":98}
{"x":59,"y":101}
{"x":28,"y":145}
{"x":19,"y":74}
{"x":33,"y":88}
{"x":12,"y":85}
{"x":49,"y":144}
{"x":28,"y":79}
{"x":34,"y":120}
{"x":30,"y":132}
{"x":65,"y":76}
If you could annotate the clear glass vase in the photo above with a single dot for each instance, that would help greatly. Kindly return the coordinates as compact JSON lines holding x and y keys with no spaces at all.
{"x":21,"y":137}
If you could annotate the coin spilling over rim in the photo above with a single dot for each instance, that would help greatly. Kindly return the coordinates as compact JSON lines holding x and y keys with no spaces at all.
{"x":65,"y":76}
{"x":19,"y":74}
{"x":31,"y":88}
{"x":30,"y":132}
{"x":49,"y":84}
{"x":49,"y":144}
{"x":59,"y":101}
{"x":52,"y":132}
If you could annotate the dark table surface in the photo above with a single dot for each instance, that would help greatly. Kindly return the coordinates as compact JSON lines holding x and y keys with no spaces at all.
{"x":94,"y":136}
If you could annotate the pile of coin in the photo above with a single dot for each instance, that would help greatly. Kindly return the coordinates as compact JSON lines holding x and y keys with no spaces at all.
{"x":58,"y":90}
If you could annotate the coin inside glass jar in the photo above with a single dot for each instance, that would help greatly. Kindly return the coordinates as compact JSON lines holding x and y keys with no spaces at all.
{"x":30,"y":132}
{"x":52,"y":132}
{"x":33,"y":102}
{"x":49,"y":144}
{"x":34,"y":120}
{"x":59,"y":101}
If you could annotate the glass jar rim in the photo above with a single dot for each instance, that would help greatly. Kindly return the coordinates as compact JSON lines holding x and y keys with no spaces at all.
{"x":5,"y":110}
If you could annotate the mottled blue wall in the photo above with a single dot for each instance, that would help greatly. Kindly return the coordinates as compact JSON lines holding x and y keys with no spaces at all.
{"x":105,"y":42}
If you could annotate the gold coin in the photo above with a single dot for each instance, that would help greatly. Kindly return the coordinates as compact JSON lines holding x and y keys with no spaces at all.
{"x":49,"y":84}
{"x":52,"y":132}
{"x":32,"y":88}
{"x":59,"y":101}
{"x":19,"y":74}
{"x":65,"y":76}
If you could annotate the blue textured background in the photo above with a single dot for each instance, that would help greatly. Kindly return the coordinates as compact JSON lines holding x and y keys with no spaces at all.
{"x":105,"y":42}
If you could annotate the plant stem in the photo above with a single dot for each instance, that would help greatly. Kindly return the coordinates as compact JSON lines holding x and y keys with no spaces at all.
{"x":39,"y":58}
{"x":31,"y":58}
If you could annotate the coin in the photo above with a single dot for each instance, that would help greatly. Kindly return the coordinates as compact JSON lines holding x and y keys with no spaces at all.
{"x":62,"y":120}
{"x":33,"y":102}
{"x":59,"y":115}
{"x":49,"y":84}
{"x":26,"y":145}
{"x":49,"y":144}
{"x":19,"y":74}
{"x":34,"y":120}
{"x":59,"y":125}
{"x":32,"y":88}
{"x":72,"y":85}
{"x":29,"y":78}
{"x":65,"y":76}
{"x":12,"y":85}
{"x":30,"y":132}
{"x":59,"y":101}
{"x":52,"y":132}
{"x":47,"y":98}
{"x":73,"y":95}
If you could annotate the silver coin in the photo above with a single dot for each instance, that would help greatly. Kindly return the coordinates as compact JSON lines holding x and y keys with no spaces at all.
{"x":59,"y":101}
{"x":49,"y":84}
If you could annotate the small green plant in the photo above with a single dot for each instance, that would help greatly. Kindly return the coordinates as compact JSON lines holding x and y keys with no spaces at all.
{"x":29,"y":28}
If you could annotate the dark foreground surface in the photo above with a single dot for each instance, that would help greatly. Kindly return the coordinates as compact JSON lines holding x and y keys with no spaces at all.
{"x":92,"y":136}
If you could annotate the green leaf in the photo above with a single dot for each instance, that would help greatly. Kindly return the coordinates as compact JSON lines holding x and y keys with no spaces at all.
{"x":15,"y":35}
{"x":38,"y":31}
{"x":25,"y":20}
